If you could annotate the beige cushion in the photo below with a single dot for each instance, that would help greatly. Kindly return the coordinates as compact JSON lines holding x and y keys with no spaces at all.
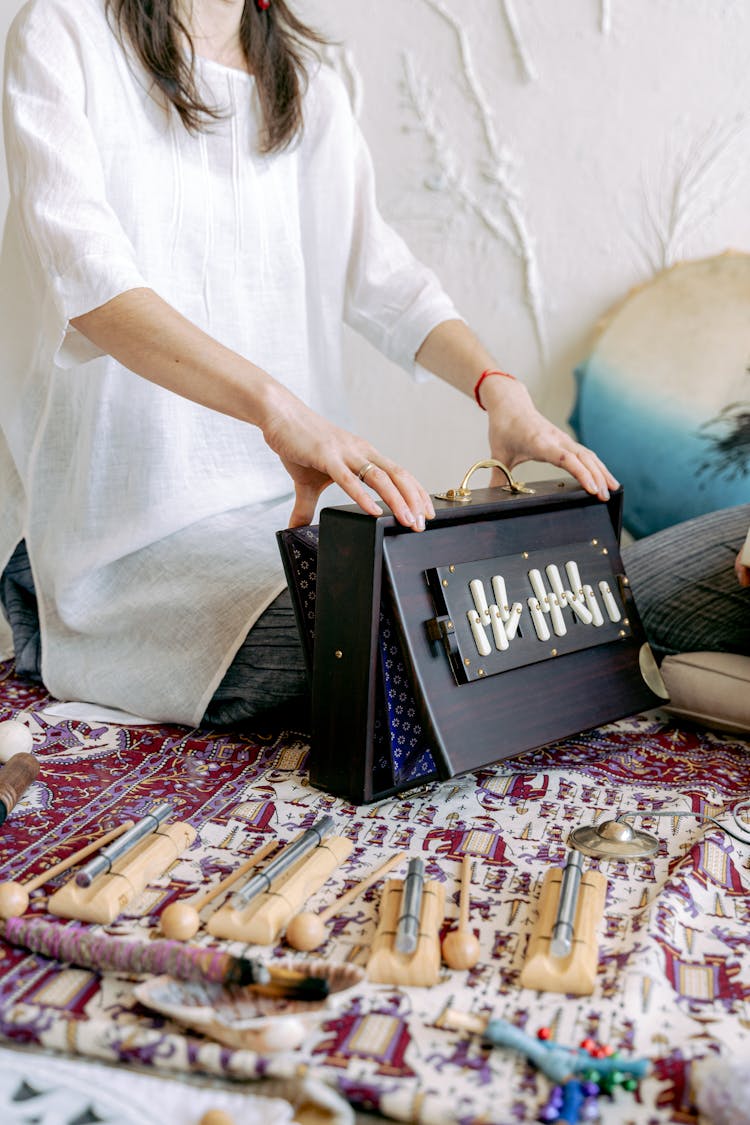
{"x":710,"y":688}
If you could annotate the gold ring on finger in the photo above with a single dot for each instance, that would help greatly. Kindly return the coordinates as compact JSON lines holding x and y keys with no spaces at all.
{"x":365,"y":470}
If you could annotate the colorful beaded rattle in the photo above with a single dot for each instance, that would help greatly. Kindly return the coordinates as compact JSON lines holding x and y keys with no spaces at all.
{"x":576,"y":1099}
{"x":558,"y":1063}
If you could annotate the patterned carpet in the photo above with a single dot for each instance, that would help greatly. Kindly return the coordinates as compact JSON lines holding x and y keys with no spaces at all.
{"x":674,"y":968}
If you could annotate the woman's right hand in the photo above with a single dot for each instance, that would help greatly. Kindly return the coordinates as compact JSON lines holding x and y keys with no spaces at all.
{"x":150,"y":337}
{"x":317,"y":453}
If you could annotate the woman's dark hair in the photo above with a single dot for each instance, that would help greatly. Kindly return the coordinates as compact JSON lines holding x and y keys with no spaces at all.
{"x":275,"y":42}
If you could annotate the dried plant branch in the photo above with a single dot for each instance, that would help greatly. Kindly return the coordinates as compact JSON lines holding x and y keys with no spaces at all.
{"x":522,"y":53}
{"x":498,"y":173}
{"x":423,"y":100}
{"x":693,"y":185}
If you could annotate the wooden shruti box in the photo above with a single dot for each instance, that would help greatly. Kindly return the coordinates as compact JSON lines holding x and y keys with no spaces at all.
{"x":506,"y":625}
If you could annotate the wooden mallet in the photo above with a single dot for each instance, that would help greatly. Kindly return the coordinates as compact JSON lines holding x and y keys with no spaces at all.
{"x":181,"y":920}
{"x":14,"y":897}
{"x":307,"y":930}
{"x":460,"y":947}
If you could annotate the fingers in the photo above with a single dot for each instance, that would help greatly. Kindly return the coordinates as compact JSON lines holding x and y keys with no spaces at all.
{"x":588,"y":470}
{"x":558,"y":448}
{"x":742,"y":571}
{"x":316,"y":452}
{"x":518,"y":433}
{"x":582,"y":463}
{"x":305,"y":501}
{"x":404,"y":495}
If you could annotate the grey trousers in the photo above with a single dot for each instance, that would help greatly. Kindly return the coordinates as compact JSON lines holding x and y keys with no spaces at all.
{"x":683,"y":580}
{"x":266,"y":682}
{"x":268,"y":677}
{"x":685,"y":587}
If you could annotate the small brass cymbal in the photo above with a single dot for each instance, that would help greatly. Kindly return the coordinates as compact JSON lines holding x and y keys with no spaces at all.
{"x":613,"y":839}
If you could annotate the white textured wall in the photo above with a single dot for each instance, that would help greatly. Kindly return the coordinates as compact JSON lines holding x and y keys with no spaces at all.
{"x":543,"y":156}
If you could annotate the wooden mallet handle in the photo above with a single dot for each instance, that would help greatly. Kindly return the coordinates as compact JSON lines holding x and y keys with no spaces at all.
{"x":15,"y":778}
{"x":460,"y":947}
{"x":465,"y":894}
{"x":72,"y":860}
{"x":253,"y":861}
{"x":358,"y":888}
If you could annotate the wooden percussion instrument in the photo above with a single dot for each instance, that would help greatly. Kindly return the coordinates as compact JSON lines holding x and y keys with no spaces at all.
{"x":16,"y":775}
{"x":14,"y":897}
{"x":574,"y":973}
{"x":307,"y":930}
{"x":181,"y":920}
{"x":421,"y":966}
{"x":261,"y":919}
{"x":109,"y":893}
{"x":461,"y":948}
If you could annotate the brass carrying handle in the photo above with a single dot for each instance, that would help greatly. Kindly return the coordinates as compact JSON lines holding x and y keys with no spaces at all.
{"x":462,"y":494}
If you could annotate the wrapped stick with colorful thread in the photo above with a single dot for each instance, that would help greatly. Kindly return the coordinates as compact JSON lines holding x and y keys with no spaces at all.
{"x":80,"y":946}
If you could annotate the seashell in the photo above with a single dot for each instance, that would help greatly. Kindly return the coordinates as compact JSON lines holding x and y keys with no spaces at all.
{"x":240,"y":1017}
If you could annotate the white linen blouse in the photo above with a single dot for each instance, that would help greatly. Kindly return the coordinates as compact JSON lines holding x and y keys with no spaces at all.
{"x":150,"y":520}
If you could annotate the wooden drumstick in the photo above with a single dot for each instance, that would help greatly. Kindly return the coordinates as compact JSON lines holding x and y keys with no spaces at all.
{"x":460,"y":947}
{"x":14,"y":897}
{"x":181,"y":920}
{"x":307,"y":930}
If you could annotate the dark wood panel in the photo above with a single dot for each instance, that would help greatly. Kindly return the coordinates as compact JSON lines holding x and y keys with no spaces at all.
{"x":474,"y":723}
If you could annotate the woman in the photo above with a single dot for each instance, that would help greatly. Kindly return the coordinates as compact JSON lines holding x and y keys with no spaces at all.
{"x":192,"y":218}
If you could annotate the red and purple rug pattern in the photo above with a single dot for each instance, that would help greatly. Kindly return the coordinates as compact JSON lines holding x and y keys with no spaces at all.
{"x":674,"y":968}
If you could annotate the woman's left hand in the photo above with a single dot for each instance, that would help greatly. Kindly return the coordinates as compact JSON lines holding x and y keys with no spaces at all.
{"x":518,"y":432}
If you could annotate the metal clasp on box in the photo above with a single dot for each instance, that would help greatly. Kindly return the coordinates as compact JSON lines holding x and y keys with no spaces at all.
{"x":443,"y":631}
{"x":440,"y":629}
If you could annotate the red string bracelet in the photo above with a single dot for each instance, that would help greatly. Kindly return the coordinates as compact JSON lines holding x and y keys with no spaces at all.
{"x":482,"y":378}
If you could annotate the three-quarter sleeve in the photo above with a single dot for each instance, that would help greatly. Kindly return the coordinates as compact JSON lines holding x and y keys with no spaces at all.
{"x":73,"y":241}
{"x":392,"y":299}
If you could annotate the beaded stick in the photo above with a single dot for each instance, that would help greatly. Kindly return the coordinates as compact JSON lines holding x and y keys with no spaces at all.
{"x":558,"y":1063}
